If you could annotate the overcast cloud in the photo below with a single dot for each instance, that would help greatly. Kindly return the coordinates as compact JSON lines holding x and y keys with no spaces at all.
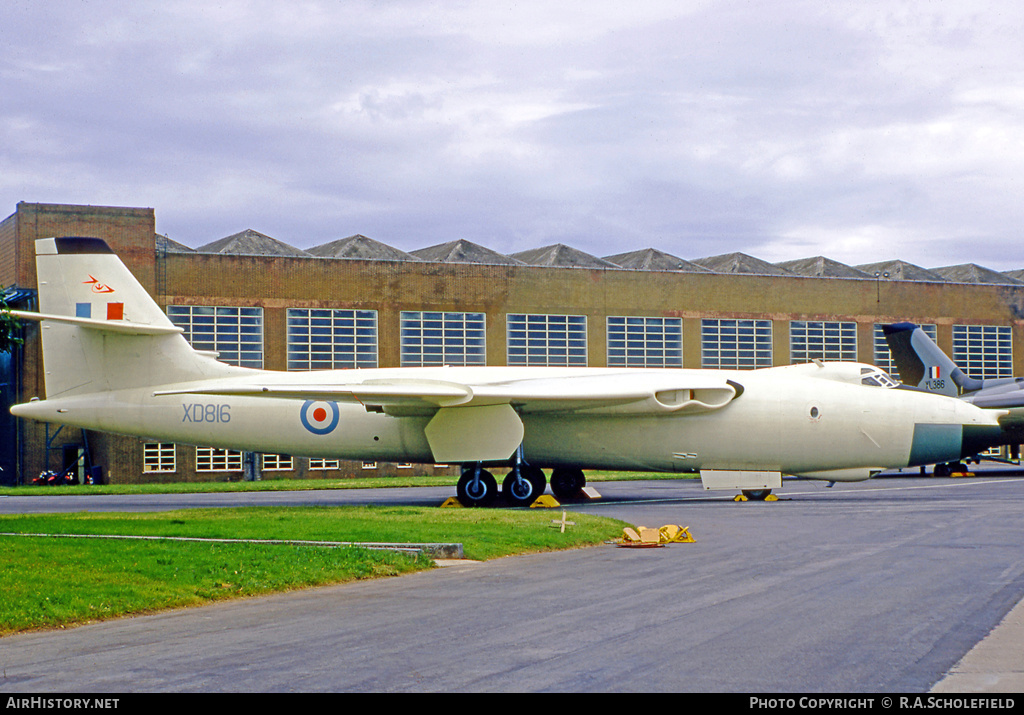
{"x":861,"y":130}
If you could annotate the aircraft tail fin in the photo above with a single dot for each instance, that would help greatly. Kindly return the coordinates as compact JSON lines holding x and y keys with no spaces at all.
{"x":922,"y":364}
{"x":101,"y":330}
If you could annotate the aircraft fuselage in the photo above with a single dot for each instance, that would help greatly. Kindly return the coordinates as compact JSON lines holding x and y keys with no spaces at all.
{"x":782,"y":421}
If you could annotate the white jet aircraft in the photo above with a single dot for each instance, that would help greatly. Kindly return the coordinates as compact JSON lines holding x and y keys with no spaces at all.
{"x":114,"y":362}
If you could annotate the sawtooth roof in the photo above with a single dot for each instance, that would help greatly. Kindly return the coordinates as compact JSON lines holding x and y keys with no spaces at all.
{"x":900,"y":271}
{"x":361,"y":247}
{"x":463,"y":251}
{"x":821,"y":267}
{"x":168,"y":246}
{"x":741,"y":263}
{"x":561,"y":255}
{"x":254,"y":243}
{"x":973,"y":273}
{"x":651,"y":259}
{"x":251,"y":243}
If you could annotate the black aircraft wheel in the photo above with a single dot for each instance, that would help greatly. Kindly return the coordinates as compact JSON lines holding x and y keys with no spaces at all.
{"x":756,"y":494}
{"x":518,"y":489}
{"x":477,"y":488}
{"x":567,"y":483}
{"x":536,"y":477}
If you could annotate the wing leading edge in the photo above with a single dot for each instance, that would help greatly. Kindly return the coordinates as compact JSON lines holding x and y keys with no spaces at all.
{"x":610,"y":393}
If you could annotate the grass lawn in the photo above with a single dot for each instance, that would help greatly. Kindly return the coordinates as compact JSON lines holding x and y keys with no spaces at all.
{"x":50,"y":581}
{"x":273,"y":484}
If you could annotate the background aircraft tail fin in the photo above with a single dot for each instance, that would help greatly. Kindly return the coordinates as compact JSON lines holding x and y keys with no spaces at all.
{"x":101,"y":330}
{"x":922,"y":363}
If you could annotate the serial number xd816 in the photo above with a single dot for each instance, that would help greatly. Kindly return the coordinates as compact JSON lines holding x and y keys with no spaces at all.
{"x":197,"y":412}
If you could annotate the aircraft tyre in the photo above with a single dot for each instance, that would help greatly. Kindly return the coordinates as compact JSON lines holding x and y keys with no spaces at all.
{"x":756,"y":494}
{"x":566,"y":483}
{"x":537,"y":478}
{"x":523,"y":485}
{"x":476,"y":487}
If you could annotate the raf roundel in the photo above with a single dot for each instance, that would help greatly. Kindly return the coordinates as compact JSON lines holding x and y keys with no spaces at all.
{"x":319,"y":417}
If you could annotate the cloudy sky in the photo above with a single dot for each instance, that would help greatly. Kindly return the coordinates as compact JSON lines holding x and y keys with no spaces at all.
{"x":861,"y":130}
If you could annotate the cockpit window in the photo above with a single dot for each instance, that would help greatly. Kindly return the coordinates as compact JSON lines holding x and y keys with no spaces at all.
{"x":876,"y":377}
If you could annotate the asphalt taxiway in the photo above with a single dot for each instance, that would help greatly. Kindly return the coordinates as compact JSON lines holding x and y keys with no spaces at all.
{"x":881,"y":586}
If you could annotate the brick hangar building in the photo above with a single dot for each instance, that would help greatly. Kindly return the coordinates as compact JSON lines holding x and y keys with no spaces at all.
{"x":356,"y":302}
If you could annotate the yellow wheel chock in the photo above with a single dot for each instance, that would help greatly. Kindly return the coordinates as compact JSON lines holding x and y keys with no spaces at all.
{"x":673,"y":534}
{"x":742,"y":497}
{"x":645,"y":537}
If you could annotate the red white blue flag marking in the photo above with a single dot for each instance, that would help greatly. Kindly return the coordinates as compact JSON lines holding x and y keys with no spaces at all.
{"x":112,"y":311}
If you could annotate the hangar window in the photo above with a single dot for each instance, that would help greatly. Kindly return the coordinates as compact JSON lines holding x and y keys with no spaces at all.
{"x":331,"y":339}
{"x":435,"y":339}
{"x":236,"y":334}
{"x":883,"y":358}
{"x":822,"y":340}
{"x":324,"y":464}
{"x":547,"y":340}
{"x":158,"y":457}
{"x":983,"y":352}
{"x":209,"y":459}
{"x":277,"y":463}
{"x":645,"y":342}
{"x":735,"y":344}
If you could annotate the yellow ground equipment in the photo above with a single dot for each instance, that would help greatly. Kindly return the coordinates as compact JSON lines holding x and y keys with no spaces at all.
{"x":644,"y":536}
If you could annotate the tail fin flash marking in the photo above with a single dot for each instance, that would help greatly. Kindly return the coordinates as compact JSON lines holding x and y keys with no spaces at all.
{"x":101,"y":329}
{"x":98,"y":287}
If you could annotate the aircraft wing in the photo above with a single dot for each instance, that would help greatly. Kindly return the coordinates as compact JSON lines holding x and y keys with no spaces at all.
{"x":1006,"y":395}
{"x":1014,"y":418}
{"x":1012,"y":424}
{"x":627,"y":392}
{"x":426,"y":393}
{"x":478,"y":422}
{"x":123,"y":327}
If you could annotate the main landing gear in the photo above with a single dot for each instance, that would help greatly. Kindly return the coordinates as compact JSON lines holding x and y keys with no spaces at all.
{"x":567,"y":482}
{"x":476,"y":487}
{"x":521,"y":487}
{"x":523,"y":484}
